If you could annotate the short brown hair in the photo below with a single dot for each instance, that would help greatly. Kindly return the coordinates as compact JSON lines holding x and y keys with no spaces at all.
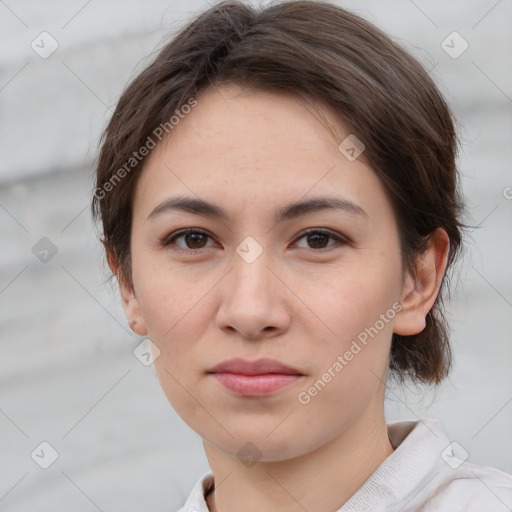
{"x":326,"y":53}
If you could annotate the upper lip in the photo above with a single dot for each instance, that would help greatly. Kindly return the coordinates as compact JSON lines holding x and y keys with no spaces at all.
{"x":258,"y":367}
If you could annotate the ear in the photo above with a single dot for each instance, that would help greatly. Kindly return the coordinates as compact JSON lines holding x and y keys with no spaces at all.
{"x":129,"y":300}
{"x":419,"y":292}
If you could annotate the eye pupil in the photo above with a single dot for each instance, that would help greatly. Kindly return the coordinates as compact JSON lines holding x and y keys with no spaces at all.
{"x":195,"y":235}
{"x":316,"y":235}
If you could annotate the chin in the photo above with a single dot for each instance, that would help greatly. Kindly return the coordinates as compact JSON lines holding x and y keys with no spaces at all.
{"x":250,"y":446}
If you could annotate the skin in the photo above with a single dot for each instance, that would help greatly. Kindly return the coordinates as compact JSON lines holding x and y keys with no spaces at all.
{"x":302,"y":301}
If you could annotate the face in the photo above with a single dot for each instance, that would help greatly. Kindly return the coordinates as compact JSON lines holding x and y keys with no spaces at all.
{"x":313,"y":288}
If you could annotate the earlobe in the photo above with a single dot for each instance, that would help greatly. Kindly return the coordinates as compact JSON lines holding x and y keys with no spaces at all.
{"x":129,"y":301}
{"x":132,"y":309}
{"x":420,"y":292}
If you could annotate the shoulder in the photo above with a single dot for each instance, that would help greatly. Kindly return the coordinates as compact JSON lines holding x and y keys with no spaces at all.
{"x":472,"y":488}
{"x":425,"y":474}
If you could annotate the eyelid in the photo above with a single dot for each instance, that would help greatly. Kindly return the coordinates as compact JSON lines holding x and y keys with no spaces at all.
{"x":340,"y":239}
{"x":168,"y":240}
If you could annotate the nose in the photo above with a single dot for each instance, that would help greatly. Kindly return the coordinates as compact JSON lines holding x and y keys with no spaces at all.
{"x":255,"y":302}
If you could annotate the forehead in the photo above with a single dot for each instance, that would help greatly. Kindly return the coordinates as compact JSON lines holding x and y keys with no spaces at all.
{"x":258,"y":127}
{"x":246,"y":147}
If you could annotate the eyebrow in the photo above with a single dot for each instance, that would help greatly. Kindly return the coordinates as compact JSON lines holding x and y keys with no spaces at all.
{"x":287,"y":212}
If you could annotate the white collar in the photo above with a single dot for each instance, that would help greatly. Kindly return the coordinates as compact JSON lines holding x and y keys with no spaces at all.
{"x":404,"y":480}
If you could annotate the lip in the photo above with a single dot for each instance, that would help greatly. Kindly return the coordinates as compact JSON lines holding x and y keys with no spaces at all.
{"x":257,"y":367}
{"x":255,"y":378}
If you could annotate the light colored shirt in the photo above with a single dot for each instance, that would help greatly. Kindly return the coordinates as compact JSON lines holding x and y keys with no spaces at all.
{"x":425,"y":473}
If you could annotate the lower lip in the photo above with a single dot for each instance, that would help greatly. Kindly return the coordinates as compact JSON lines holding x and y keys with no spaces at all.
{"x":255,"y":385}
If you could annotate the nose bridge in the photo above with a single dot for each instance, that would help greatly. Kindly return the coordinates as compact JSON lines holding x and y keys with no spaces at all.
{"x":251,"y":302}
{"x":250,"y":272}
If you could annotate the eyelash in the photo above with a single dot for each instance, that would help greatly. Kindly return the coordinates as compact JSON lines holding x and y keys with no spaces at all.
{"x":166,"y":242}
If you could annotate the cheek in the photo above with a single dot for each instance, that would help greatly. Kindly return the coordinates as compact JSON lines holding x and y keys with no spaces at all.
{"x":349,"y":365}
{"x":174,"y":321}
{"x":356,"y":309}
{"x":173,"y":317}
{"x":176,"y":310}
{"x":166,"y":295}
{"x":354,"y":294}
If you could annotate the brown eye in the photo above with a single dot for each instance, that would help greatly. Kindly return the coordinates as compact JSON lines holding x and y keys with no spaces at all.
{"x":193,"y":240}
{"x":318,"y":239}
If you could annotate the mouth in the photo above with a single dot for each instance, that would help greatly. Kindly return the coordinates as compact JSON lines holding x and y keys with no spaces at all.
{"x":257,"y":367}
{"x":255,"y":378}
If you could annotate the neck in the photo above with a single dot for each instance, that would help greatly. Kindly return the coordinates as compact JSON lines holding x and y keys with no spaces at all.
{"x":317,"y":481}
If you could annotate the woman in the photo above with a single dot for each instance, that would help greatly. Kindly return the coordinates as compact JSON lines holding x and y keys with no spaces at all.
{"x":253,"y":137}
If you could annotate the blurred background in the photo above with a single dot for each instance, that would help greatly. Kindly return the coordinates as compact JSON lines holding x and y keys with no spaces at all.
{"x":69,"y":377}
